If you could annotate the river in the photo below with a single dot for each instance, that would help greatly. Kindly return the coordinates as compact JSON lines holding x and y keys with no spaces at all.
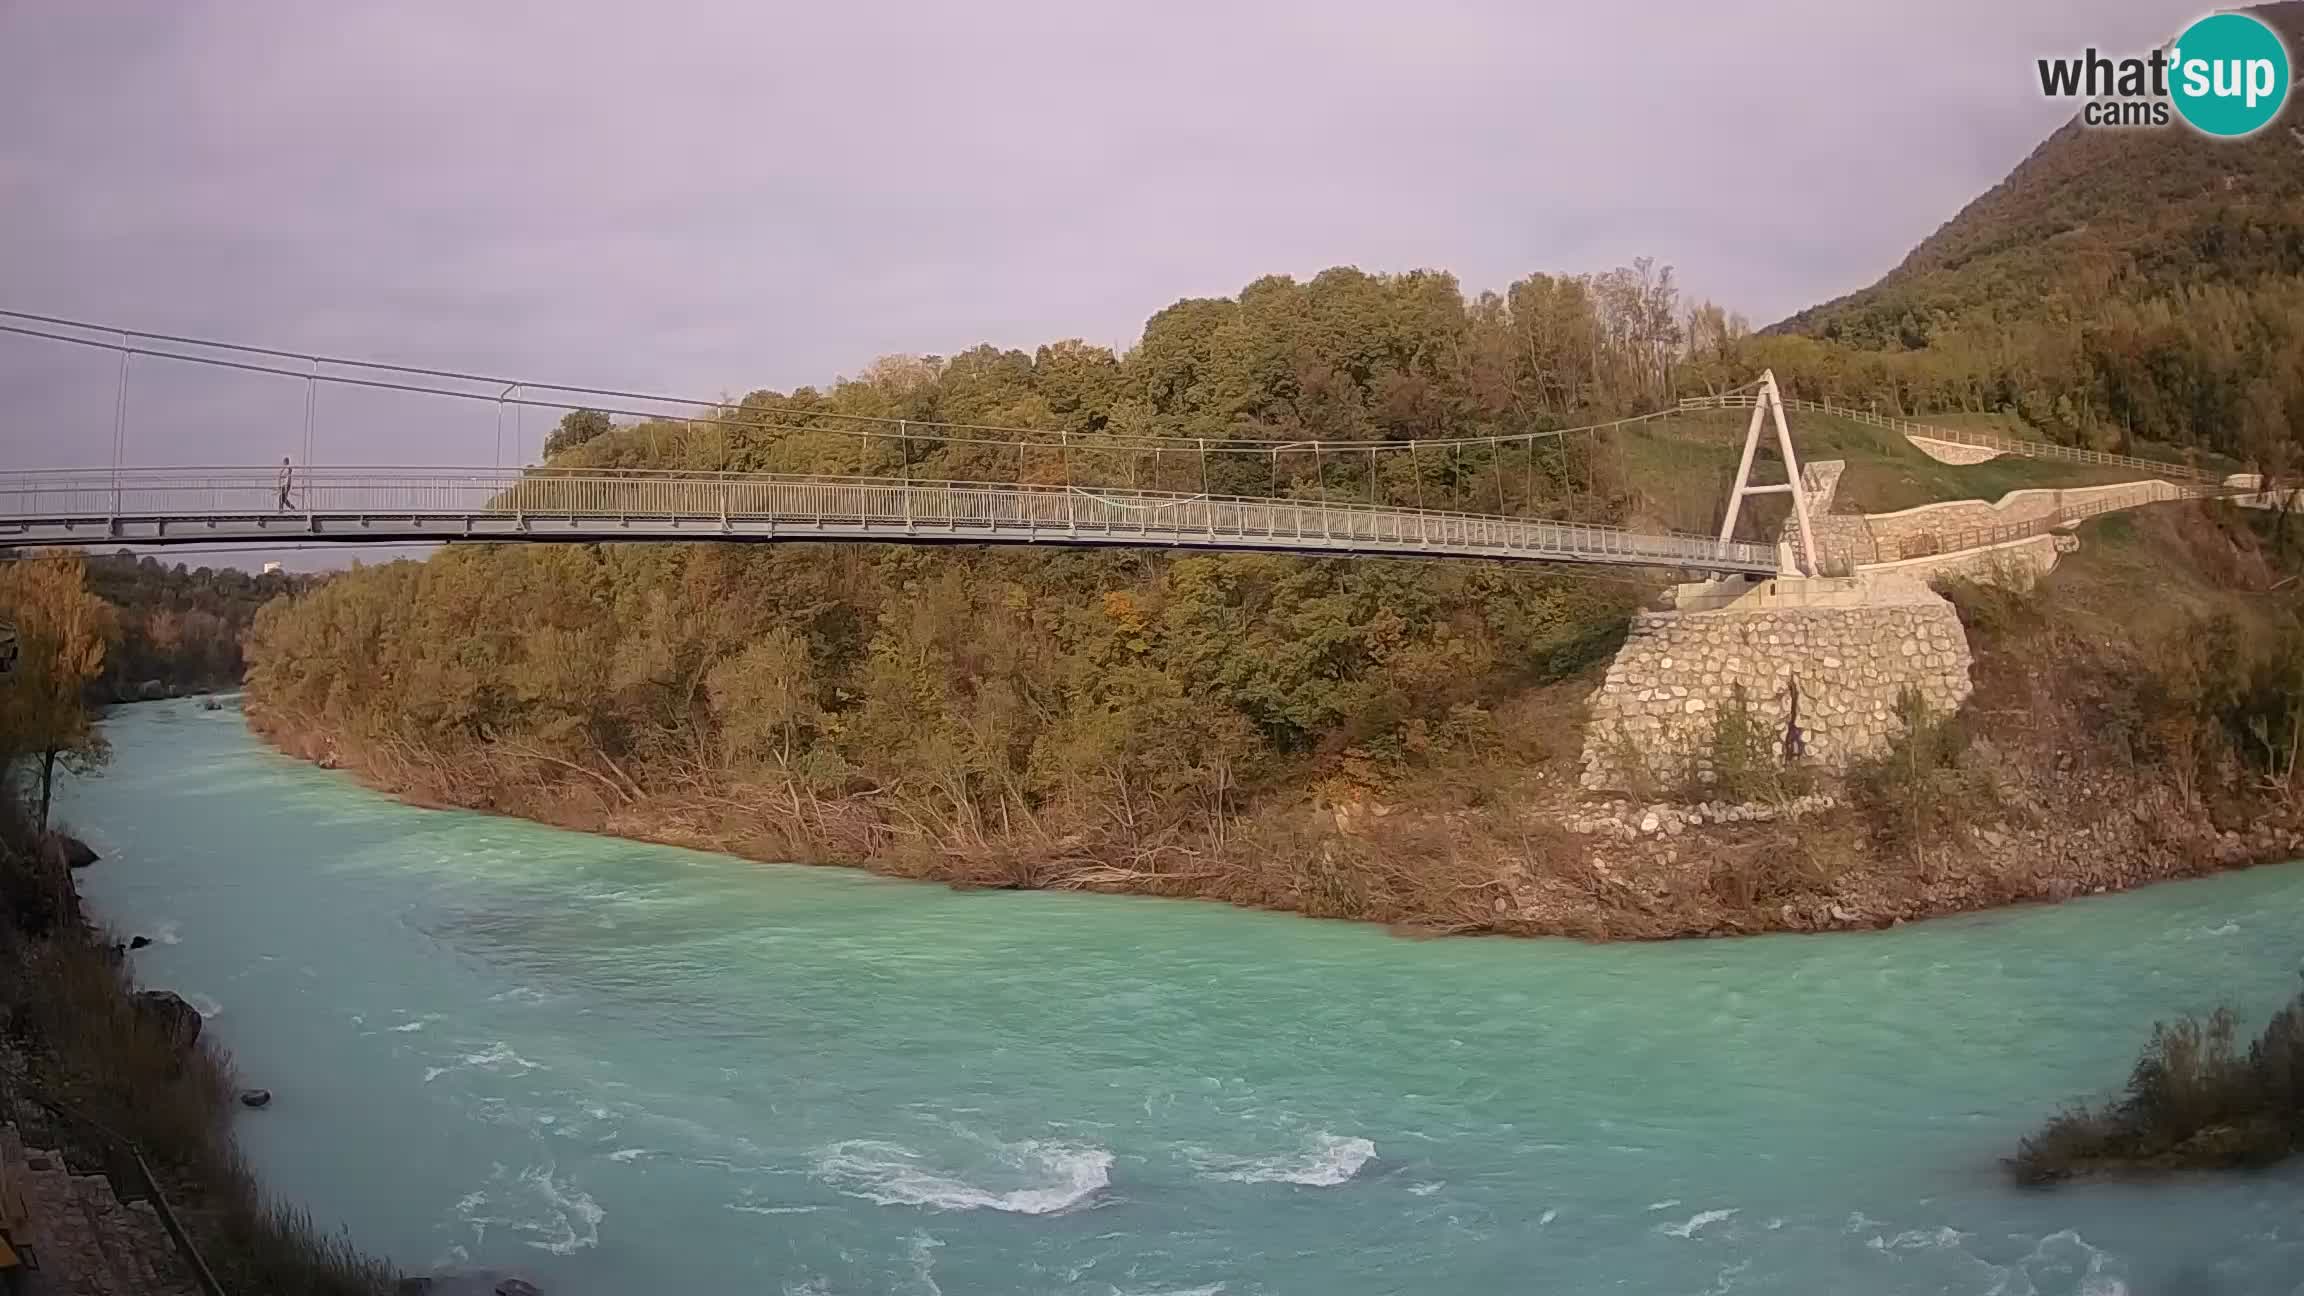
{"x":614,"y":1066}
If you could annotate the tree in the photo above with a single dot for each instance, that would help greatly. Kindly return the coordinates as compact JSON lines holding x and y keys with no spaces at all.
{"x":62,"y":630}
{"x":765,"y":698}
{"x":576,"y":428}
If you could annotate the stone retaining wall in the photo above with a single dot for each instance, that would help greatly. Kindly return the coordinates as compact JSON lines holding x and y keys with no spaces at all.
{"x":1952,"y":452}
{"x":1663,"y":694}
{"x":1851,"y":646}
{"x":1934,"y":526}
{"x":1842,"y":536}
{"x":2015,"y":564}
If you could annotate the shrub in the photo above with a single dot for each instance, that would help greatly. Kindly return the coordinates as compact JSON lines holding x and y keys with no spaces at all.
{"x":1744,"y":758}
{"x":2193,"y":1101}
{"x":1781,"y":868}
{"x":1923,"y":785}
{"x":2007,"y":605}
{"x":1633,"y":767}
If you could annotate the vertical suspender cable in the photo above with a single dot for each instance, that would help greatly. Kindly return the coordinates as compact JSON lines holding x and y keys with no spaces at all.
{"x":1416,"y":470}
{"x":904,"y":469}
{"x":311,"y":398}
{"x":1320,"y":475}
{"x":1207,"y":508}
{"x":120,"y":425}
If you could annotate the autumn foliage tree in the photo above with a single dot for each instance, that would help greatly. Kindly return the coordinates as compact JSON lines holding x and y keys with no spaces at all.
{"x":62,"y":630}
{"x":179,"y":626}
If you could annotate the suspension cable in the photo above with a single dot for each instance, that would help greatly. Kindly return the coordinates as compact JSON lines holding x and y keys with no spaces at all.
{"x":746,"y":416}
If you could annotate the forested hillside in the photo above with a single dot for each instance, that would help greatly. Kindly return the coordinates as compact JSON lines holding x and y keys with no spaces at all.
{"x":2119,"y":284}
{"x":858,"y":698}
{"x":178,"y":626}
{"x":1344,"y":356}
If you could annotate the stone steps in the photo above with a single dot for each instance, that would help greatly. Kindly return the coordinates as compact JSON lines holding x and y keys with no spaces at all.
{"x":87,"y":1241}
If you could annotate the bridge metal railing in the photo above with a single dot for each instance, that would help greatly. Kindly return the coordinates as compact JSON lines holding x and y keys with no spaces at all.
{"x":33,"y":505}
{"x":1962,"y":436}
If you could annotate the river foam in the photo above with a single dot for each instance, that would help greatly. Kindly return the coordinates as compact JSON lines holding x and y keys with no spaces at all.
{"x":1057,"y":1175}
{"x":542,"y":1209}
{"x":1696,"y":1223}
{"x":1328,"y":1160}
{"x":499,"y":1057}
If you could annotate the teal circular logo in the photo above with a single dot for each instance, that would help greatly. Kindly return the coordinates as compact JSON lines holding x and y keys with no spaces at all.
{"x":2228,"y":74}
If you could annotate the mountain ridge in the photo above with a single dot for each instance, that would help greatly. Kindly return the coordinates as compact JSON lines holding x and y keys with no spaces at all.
{"x":2092,"y":209}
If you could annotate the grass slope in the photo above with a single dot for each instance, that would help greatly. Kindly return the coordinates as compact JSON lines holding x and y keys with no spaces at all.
{"x":1680,"y":470}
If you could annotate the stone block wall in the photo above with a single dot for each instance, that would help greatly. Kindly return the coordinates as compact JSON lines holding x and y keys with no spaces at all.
{"x":2015,"y":564}
{"x":1845,"y":538}
{"x":1952,"y":452}
{"x":1932,"y":527}
{"x":1663,"y":693}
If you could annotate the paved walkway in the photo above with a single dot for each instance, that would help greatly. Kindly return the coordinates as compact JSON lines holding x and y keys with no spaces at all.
{"x":87,"y":1241}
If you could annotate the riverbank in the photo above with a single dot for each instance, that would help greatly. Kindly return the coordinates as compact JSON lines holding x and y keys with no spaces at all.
{"x":2123,"y":730}
{"x":1513,"y":866}
{"x":118,"y":1082}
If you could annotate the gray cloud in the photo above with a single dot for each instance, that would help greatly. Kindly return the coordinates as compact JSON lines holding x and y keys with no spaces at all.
{"x":709,"y":197}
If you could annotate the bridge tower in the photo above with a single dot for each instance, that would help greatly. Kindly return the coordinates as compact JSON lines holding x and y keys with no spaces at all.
{"x":1768,"y":405}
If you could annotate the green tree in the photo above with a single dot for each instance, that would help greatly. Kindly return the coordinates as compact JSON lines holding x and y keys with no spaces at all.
{"x":577,"y":427}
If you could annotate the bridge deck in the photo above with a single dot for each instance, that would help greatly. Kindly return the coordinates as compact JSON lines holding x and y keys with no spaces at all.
{"x":399,"y":505}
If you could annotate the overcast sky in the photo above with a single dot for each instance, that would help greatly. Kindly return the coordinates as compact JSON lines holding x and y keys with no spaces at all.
{"x":714,"y":197}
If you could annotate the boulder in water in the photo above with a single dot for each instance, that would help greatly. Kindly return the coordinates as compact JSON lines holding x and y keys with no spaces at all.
{"x":152,"y":691}
{"x":255,"y":1097}
{"x":179,"y":1019}
{"x":138,"y":942}
{"x":73,"y":852}
{"x":518,"y":1287}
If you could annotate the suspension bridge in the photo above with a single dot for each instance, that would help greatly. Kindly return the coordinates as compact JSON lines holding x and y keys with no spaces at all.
{"x":1530,"y":497}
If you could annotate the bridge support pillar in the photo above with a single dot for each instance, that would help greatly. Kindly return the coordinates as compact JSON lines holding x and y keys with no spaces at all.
{"x":1767,"y":406}
{"x":1817,"y":664}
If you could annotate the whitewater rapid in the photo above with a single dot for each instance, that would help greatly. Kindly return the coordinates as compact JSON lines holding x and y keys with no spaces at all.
{"x":616,"y":1067}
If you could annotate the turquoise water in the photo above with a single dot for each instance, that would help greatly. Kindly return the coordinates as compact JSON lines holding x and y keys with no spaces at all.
{"x":612,"y":1066}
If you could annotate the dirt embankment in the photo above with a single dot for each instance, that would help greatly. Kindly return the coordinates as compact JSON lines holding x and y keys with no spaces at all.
{"x":2049,"y":785}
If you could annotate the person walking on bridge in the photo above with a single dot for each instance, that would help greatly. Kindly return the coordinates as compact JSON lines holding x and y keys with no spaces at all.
{"x":287,"y":481}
